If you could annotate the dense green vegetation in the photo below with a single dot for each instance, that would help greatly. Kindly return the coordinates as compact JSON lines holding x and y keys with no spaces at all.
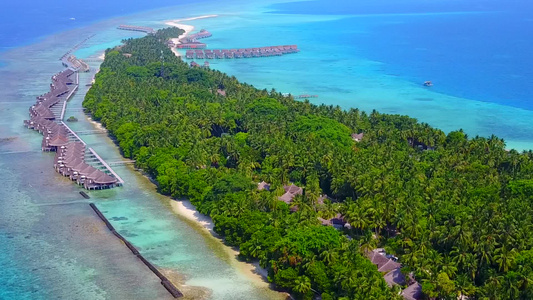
{"x":456,"y":210}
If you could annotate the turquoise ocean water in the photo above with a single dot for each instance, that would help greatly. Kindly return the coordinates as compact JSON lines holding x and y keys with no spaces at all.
{"x":370,"y":55}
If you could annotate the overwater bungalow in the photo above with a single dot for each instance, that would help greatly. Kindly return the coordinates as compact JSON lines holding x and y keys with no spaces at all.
{"x":194,"y":45}
{"x":57,"y":141}
{"x":99,"y":181}
{"x":70,"y":156}
{"x":82,"y":174}
{"x":74,"y":171}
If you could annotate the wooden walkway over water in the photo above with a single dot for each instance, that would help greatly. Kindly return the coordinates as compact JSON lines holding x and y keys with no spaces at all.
{"x":146,"y":30}
{"x":47,"y":116}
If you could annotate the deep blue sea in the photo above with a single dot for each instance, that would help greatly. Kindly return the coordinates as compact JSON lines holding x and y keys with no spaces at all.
{"x":476,"y":49}
{"x":24,"y":21}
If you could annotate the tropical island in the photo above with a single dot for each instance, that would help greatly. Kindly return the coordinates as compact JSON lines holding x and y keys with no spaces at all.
{"x":312,"y":192}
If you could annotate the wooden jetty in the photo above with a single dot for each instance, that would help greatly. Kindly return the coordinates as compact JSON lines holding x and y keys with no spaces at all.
{"x":304,"y":96}
{"x":75,"y":63}
{"x":120,"y":181}
{"x":197,"y":50}
{"x":120,"y":162}
{"x":146,"y":30}
{"x":77,"y":46}
{"x":202,"y":34}
{"x":72,"y":159}
{"x":238,"y":53}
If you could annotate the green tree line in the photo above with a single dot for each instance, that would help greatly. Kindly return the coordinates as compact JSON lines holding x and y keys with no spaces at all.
{"x":455,"y":210}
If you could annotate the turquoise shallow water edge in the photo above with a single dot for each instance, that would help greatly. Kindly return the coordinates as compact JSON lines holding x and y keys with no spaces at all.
{"x":52,"y":246}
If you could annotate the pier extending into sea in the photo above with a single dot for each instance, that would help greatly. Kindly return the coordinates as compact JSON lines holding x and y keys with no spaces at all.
{"x":146,"y":30}
{"x":242,"y":52}
{"x":198,"y":50}
{"x":73,"y":159}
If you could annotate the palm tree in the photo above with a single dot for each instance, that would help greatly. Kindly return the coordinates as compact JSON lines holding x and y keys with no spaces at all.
{"x":505,"y":258}
{"x":302,"y":285}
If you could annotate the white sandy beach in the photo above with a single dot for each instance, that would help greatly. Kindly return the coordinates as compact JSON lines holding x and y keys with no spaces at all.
{"x":253,"y":271}
{"x":185,"y":209}
{"x":188,"y":28}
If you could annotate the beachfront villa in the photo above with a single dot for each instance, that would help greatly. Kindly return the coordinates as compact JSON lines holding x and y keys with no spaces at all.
{"x":391,"y":270}
{"x":290,"y":192}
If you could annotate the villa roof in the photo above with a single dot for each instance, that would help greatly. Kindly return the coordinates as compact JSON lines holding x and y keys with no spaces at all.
{"x":74,"y":162}
{"x":105,"y":179}
{"x":58,"y":141}
{"x":263,"y":186}
{"x":324,"y":221}
{"x":95,"y":174}
{"x":377,"y":258}
{"x":79,"y":167}
{"x":358,"y":136}
{"x":287,"y":198}
{"x":389,"y":266}
{"x":87,"y":170}
{"x":395,"y":277}
{"x":293,"y":189}
{"x":413,"y":292}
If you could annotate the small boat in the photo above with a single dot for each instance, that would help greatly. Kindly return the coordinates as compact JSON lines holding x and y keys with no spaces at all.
{"x":428,"y":83}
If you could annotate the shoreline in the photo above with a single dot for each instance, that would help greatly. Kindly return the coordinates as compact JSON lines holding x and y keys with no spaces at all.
{"x":188,"y":29}
{"x":252,"y":270}
{"x":186,"y":211}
